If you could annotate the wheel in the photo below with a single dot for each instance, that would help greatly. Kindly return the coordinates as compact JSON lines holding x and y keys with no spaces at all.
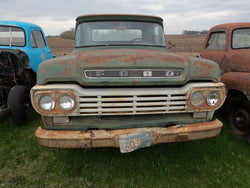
{"x":19,"y":104}
{"x":238,"y":116}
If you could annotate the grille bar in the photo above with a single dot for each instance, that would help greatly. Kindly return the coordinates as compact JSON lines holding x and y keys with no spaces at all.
{"x":103,"y":99}
{"x":129,"y":109}
{"x":85,"y":105}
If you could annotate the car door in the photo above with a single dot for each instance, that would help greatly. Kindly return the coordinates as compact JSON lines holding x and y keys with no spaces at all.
{"x":39,"y":48}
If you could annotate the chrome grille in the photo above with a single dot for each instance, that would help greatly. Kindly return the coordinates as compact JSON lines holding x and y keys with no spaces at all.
{"x":128,"y":73}
{"x":130,"y":102}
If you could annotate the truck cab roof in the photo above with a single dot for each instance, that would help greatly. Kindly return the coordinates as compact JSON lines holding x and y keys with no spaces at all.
{"x":231,"y":26}
{"x":120,"y":17}
{"x":24,"y":25}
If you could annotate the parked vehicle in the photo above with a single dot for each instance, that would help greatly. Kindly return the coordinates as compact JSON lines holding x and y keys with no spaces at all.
{"x":22,"y":48}
{"x":229,"y":45}
{"x":121,"y":88}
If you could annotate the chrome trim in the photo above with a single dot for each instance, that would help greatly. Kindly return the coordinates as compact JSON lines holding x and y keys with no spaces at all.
{"x":135,"y":73}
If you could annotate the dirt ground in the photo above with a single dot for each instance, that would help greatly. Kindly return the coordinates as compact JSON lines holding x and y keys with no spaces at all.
{"x":186,"y":44}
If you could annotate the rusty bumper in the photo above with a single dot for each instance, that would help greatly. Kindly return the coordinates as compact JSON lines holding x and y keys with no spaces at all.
{"x":104,"y":138}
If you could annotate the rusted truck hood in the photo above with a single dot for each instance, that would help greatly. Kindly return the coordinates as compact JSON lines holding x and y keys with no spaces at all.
{"x":73,"y":67}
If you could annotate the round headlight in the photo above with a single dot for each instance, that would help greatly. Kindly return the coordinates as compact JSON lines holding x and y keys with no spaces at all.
{"x":213,"y":99}
{"x":66,"y":103}
{"x":197,"y":99}
{"x":47,"y":103}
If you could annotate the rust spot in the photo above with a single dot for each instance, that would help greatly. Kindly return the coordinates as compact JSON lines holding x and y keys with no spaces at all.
{"x":85,"y":143}
{"x":47,"y":120}
{"x":91,"y":133}
{"x":180,"y":126}
{"x":238,"y":81}
{"x":202,"y":69}
{"x":43,"y":57}
{"x":127,"y":56}
{"x":181,"y":138}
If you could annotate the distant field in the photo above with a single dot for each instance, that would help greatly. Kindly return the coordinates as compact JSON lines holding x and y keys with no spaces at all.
{"x":60,"y":46}
{"x":186,"y":44}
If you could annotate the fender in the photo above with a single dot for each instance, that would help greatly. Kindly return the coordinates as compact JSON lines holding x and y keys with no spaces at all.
{"x":237,"y":81}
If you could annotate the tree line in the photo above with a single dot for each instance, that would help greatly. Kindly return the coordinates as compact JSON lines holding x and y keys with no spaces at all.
{"x":188,"y":32}
{"x":69,"y":34}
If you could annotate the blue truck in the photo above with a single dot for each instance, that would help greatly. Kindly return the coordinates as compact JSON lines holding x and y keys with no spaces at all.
{"x":23,"y":47}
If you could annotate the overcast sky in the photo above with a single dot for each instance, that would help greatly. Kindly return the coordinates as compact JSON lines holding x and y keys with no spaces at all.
{"x":56,"y":16}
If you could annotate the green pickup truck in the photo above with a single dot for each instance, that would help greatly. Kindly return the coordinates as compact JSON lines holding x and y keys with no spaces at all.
{"x":120,"y":87}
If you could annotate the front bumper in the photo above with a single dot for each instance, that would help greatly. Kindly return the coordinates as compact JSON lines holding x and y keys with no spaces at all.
{"x":104,"y":138}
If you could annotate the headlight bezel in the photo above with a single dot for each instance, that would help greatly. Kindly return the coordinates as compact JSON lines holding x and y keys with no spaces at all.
{"x":56,"y":96}
{"x":206,"y":92}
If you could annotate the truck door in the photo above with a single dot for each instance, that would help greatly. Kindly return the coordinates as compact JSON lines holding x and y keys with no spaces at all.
{"x":215,"y":47}
{"x":40,"y":49}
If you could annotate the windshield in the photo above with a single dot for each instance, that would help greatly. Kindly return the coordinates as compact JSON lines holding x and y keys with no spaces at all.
{"x":119,"y":33}
{"x":12,"y":36}
{"x":241,"y":38}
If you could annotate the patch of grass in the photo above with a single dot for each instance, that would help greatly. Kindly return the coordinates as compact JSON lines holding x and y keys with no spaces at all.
{"x":223,"y":161}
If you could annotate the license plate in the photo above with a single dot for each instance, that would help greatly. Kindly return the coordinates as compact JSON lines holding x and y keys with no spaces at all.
{"x":132,"y":142}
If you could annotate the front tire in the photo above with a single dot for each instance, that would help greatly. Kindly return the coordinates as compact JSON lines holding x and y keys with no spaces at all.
{"x":19,"y":104}
{"x":238,"y":116}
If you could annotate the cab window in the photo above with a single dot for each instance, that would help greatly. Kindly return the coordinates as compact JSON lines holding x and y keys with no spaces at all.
{"x":37,"y":40}
{"x":217,"y":41}
{"x":12,"y":36}
{"x":241,"y":38}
